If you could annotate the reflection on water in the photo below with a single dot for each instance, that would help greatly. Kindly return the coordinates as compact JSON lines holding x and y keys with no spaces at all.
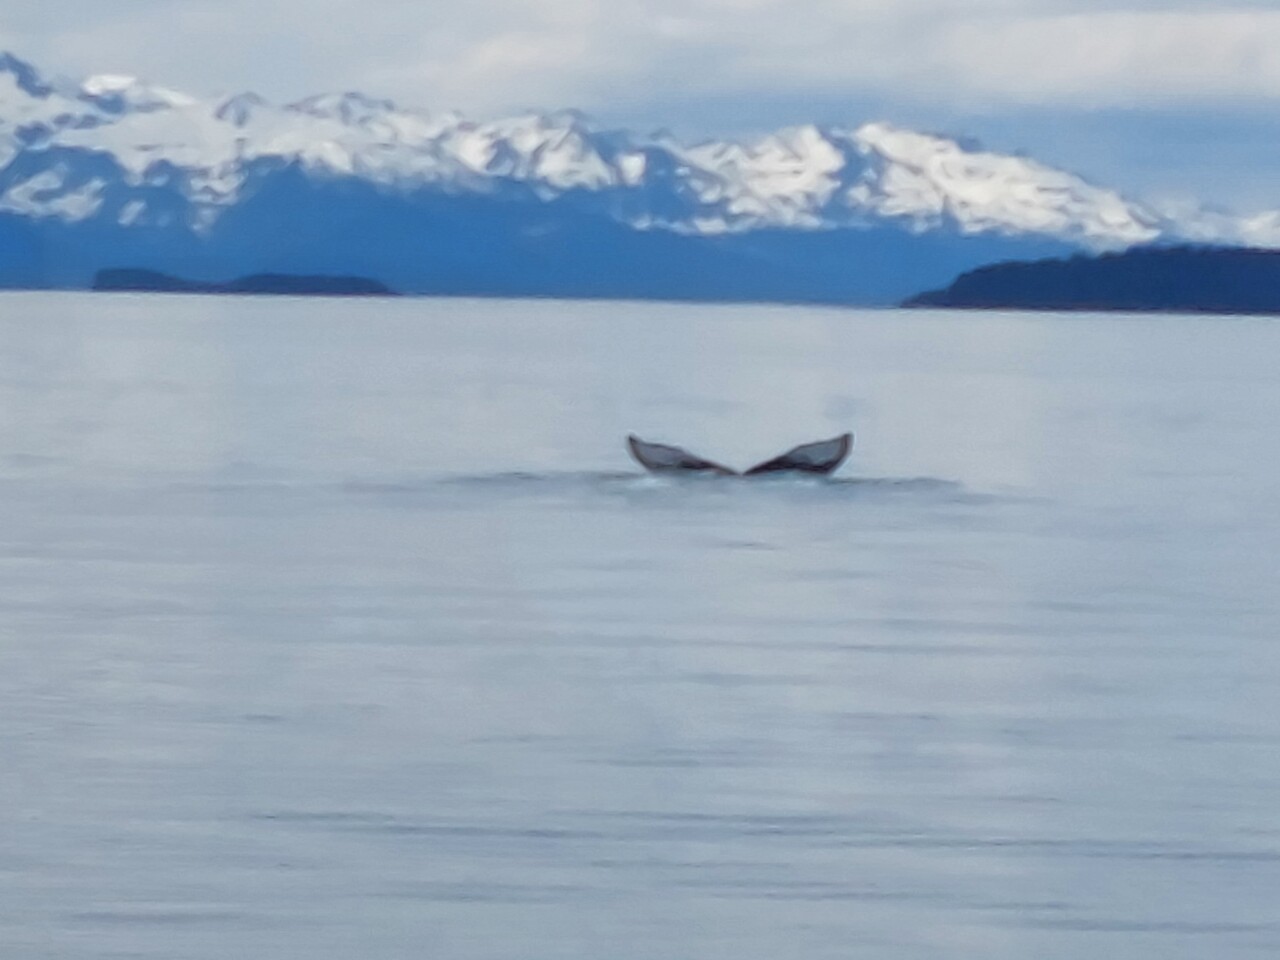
{"x":349,"y":630}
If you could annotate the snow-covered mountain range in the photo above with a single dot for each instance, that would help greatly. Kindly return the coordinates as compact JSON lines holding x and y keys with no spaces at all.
{"x":113,"y":160}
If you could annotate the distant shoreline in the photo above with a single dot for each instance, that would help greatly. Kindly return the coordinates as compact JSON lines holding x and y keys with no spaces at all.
{"x":1151,"y":280}
{"x":129,"y":280}
{"x":1208,"y":280}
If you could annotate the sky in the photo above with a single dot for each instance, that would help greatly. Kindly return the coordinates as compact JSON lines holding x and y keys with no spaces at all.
{"x":1163,"y":98}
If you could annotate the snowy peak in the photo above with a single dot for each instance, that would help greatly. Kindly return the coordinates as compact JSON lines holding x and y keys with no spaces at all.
{"x":240,"y":109}
{"x":932,"y":179}
{"x":808,"y":177}
{"x":785,"y":179}
{"x":117,"y":94}
{"x":350,"y":108}
{"x":555,"y":153}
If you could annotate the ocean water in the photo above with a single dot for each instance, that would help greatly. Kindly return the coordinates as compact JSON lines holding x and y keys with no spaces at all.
{"x":345,"y":630}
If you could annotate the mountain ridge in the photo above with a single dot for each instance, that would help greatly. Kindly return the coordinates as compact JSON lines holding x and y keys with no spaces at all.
{"x":110,"y":167}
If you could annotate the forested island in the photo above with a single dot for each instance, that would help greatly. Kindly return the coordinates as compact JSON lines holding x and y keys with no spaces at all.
{"x":1166,"y":279}
{"x":286,"y":284}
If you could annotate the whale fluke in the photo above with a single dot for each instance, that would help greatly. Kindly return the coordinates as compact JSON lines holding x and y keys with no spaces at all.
{"x":820,"y":457}
{"x":663,"y":458}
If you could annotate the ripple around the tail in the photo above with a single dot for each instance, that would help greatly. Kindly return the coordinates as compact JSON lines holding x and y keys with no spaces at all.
{"x":615,"y":481}
{"x":584,"y":485}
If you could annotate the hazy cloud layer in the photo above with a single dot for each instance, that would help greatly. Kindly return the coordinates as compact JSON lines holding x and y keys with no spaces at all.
{"x":493,"y":55}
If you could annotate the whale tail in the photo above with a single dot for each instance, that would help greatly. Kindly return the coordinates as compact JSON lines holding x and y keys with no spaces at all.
{"x":663,"y":458}
{"x":821,"y":457}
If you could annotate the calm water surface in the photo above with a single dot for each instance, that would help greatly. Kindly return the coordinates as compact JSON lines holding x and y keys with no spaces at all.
{"x":347,"y":630}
